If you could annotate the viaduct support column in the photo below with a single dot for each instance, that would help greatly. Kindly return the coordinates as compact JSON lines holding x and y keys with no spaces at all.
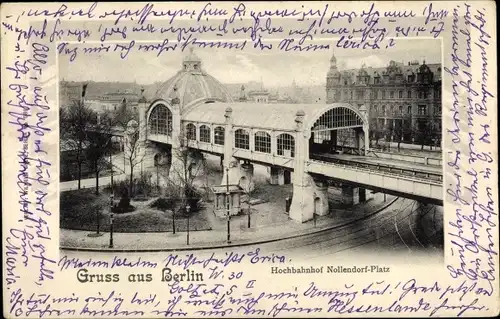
{"x":229,"y":162}
{"x":321,"y":207}
{"x":366,"y":133}
{"x":277,"y":176}
{"x":179,"y":166}
{"x":142,"y":154}
{"x":302,"y":206}
{"x":350,"y":194}
{"x":354,"y":195}
{"x":234,"y":172}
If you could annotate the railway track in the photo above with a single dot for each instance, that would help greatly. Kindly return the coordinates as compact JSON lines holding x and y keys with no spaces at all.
{"x":395,"y":226}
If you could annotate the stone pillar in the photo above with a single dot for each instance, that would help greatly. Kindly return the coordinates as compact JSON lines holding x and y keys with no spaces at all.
{"x":274,"y":143}
{"x":302,"y":206}
{"x":321,"y":199}
{"x":177,"y":167}
{"x":357,"y":140}
{"x":251,"y":140}
{"x":228,"y":159}
{"x":233,"y":170}
{"x":195,"y":163}
{"x":246,"y":176}
{"x":350,"y":195}
{"x":362,"y":195}
{"x":142,"y":104}
{"x":277,"y":176}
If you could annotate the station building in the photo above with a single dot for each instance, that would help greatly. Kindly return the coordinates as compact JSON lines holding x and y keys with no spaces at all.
{"x":193,"y":109}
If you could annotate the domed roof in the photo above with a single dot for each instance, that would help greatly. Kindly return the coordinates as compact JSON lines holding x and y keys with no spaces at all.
{"x":192,"y":83}
{"x":424,"y":68}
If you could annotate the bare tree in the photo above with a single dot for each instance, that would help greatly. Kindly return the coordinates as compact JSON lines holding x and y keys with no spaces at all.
{"x":133,"y":150}
{"x":99,"y":145}
{"x":374,"y":131}
{"x":418,"y":131}
{"x":181,"y":177}
{"x":75,"y":122}
{"x":432,"y":134}
{"x":399,"y":134}
{"x":127,"y":121}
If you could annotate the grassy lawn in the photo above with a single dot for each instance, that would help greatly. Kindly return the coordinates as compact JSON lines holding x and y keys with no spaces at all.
{"x":79,"y":210}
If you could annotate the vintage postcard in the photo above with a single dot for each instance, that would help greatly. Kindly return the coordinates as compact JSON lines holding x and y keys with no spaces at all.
{"x":249,"y":159}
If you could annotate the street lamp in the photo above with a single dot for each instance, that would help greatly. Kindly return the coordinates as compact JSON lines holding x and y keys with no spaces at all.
{"x":111,"y":197}
{"x":188,"y":208}
{"x":111,"y":163}
{"x":228,"y":208}
{"x":249,"y":211}
{"x":173,"y":220}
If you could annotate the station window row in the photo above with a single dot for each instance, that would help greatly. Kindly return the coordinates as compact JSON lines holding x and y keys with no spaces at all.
{"x":262,"y":141}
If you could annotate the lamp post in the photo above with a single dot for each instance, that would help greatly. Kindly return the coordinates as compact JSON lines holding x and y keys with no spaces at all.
{"x":188,"y":208}
{"x":111,"y":221}
{"x":249,"y":211}
{"x":173,"y":220}
{"x":111,"y":163}
{"x":228,"y":208}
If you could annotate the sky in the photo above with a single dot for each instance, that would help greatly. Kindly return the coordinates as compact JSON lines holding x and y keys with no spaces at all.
{"x":275,"y":68}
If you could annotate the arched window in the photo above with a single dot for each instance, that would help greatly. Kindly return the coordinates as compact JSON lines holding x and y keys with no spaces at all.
{"x":241,"y":139}
{"x":204,"y":134}
{"x":191,"y":131}
{"x":321,"y":134}
{"x":262,"y":142}
{"x":285,"y":144}
{"x":339,"y":117}
{"x":160,"y":120}
{"x":219,"y":135}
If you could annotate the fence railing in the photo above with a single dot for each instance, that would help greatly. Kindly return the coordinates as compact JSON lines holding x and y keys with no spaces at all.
{"x":391,"y":170}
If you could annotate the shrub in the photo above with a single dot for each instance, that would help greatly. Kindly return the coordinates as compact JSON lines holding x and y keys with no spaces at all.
{"x":143,"y":187}
{"x":172,"y":200}
{"x":163,"y":203}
